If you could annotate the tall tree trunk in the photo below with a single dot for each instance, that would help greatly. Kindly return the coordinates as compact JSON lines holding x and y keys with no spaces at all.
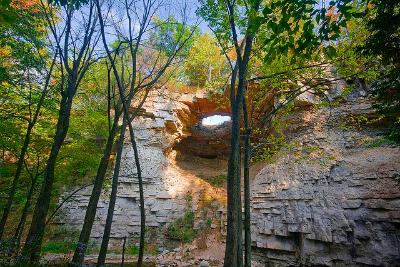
{"x":31,"y":251}
{"x":16,"y":241}
{"x":141,"y":200}
{"x":24,"y":148}
{"x":123,"y":252}
{"x":246,"y":184}
{"x":233,"y":239}
{"x":113,"y":197}
{"x":91,"y":210}
{"x":125,"y":104}
{"x":233,"y":250}
{"x":15,"y":181}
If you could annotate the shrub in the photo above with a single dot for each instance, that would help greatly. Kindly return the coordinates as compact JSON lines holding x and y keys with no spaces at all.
{"x":182,"y":228}
{"x":132,"y":250}
{"x":58,"y":247}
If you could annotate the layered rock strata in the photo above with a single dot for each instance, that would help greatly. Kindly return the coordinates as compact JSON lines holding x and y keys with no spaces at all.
{"x":330,"y":197}
{"x":162,"y":124}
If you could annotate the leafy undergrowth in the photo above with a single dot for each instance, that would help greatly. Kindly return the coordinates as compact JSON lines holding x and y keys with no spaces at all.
{"x":58,"y":247}
{"x":216,"y":181}
{"x":378,"y":142}
{"x":182,"y":228}
{"x":149,"y":249}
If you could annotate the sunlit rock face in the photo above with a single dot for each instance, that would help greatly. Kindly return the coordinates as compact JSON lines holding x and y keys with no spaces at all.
{"x":164,"y":122}
{"x":330,"y":198}
{"x":327,"y":199}
{"x":207,"y":135}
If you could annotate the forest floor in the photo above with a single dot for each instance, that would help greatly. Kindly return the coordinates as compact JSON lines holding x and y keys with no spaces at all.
{"x":206,"y":250}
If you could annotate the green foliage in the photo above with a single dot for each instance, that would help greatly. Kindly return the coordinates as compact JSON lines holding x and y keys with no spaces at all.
{"x":88,"y":132}
{"x":7,"y":170}
{"x":59,"y":239}
{"x":383,"y":25}
{"x":285,"y":28}
{"x":396,"y":177}
{"x":268,"y":146}
{"x":23,"y":64}
{"x":188,"y":199}
{"x":359,"y":121}
{"x":217,"y":181}
{"x":205,"y":62}
{"x":386,"y":90}
{"x":215,"y":13}
{"x":182,"y":228}
{"x":133,"y":250}
{"x":7,"y":14}
{"x":22,"y":41}
{"x":169,"y":33}
{"x":350,"y":61}
{"x":387,"y":93}
{"x":378,"y":142}
{"x":58,"y":247}
{"x":297,"y":28}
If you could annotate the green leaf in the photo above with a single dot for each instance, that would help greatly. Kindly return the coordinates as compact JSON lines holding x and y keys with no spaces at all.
{"x":330,"y":51}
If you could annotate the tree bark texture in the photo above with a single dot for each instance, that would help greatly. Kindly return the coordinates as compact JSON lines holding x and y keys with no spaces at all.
{"x":31,"y":250}
{"x":91,"y":210}
{"x":113,"y":197}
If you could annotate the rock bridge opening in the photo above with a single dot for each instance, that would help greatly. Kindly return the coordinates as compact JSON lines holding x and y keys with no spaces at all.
{"x":215,"y":120}
{"x":204,"y":147}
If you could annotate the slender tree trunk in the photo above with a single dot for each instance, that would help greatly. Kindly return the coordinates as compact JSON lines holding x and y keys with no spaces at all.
{"x":123,"y":252}
{"x":31,"y":250}
{"x":91,"y":210}
{"x":54,"y":213}
{"x":15,"y":181}
{"x":233,"y":239}
{"x":246,"y":184}
{"x":107,"y":229}
{"x":141,"y":199}
{"x":238,"y":177}
{"x":125,"y":104}
{"x":24,"y":148}
{"x":14,"y":248}
{"x":233,"y":250}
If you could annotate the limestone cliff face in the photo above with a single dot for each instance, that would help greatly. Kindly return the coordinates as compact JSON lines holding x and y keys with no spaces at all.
{"x":163,"y":123}
{"x":330,"y":197}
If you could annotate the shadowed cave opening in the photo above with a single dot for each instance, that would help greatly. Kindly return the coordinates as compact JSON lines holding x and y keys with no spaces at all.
{"x":209,"y":138}
{"x":204,"y":151}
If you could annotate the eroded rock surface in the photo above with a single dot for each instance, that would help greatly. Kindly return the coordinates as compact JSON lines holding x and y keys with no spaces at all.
{"x":330,"y":197}
{"x":163,"y":122}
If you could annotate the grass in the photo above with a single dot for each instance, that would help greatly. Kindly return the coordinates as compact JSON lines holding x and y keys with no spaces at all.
{"x":58,"y":247}
{"x":378,"y":142}
{"x":132,"y":250}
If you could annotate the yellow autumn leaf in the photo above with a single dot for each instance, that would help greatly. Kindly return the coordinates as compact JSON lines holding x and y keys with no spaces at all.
{"x":5,"y":51}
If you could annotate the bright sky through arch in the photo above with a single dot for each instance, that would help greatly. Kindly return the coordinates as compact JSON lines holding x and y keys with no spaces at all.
{"x":215,"y":120}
